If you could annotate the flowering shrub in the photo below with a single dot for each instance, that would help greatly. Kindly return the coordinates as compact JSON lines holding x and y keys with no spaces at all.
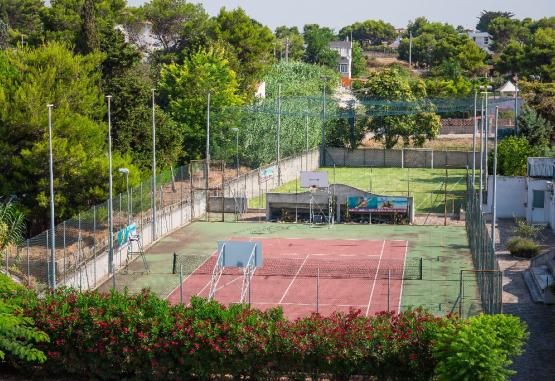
{"x":120,"y":336}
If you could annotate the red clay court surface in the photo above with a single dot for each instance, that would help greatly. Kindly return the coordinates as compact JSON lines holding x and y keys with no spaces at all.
{"x":293,"y":285}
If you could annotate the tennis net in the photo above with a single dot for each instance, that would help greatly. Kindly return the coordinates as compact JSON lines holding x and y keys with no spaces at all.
{"x":409,"y":269}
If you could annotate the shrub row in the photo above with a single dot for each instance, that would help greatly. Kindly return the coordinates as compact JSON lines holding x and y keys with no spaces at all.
{"x":119,"y":336}
{"x":523,"y":248}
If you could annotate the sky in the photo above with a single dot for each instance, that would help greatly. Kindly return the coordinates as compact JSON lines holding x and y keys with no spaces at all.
{"x":337,"y":14}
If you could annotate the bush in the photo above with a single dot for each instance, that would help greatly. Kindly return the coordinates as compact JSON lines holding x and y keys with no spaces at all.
{"x":119,"y":336}
{"x":17,"y":332}
{"x":479,"y":348}
{"x":520,"y":247}
{"x":527,"y":231}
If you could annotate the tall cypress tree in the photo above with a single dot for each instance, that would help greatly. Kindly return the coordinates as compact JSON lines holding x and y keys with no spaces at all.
{"x":88,"y":41}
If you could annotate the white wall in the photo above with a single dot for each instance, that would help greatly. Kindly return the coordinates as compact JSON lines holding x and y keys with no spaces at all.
{"x":511,"y":196}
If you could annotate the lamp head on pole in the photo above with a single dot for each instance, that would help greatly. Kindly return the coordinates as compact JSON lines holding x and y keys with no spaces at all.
{"x":123,"y":170}
{"x":235,"y":129}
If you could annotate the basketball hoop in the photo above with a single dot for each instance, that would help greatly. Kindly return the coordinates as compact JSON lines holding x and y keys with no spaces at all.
{"x":312,"y":189}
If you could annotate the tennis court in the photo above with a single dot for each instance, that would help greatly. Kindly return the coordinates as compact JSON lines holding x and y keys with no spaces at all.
{"x":312,"y":275}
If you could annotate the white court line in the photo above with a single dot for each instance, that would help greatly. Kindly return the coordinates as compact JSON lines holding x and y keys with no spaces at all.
{"x":403,"y":277}
{"x":292,"y":280}
{"x":310,"y":304}
{"x":375,"y":278}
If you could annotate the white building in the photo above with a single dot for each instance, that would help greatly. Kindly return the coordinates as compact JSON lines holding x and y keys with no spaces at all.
{"x":482,"y":39}
{"x":345,"y":59}
{"x":530,"y":197}
{"x":509,"y":89}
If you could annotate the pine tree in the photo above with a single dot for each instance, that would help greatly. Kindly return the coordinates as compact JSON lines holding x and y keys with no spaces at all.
{"x":89,"y":30}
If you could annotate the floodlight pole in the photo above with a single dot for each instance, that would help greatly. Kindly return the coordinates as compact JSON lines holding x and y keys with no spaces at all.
{"x":410,"y":49}
{"x":516,"y":104}
{"x":486,"y":142}
{"x":480,"y":195}
{"x":323,"y":154}
{"x":207,"y":156}
{"x":52,"y":277}
{"x":153,"y":169}
{"x":474,"y":141}
{"x":306,"y":139}
{"x":279,"y":134}
{"x":494,"y":203}
{"x":236,"y":130}
{"x":111,"y":269}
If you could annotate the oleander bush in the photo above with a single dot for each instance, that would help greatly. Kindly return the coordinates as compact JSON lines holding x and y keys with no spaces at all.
{"x":141,"y":337}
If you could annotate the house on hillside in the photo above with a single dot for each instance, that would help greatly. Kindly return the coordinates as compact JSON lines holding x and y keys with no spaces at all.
{"x":482,"y":39}
{"x":345,"y":58}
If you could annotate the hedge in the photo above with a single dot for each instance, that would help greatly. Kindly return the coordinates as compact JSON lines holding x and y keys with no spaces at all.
{"x":141,"y":337}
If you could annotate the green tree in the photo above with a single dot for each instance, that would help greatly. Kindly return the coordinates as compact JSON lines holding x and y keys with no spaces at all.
{"x":534,"y":128}
{"x":394,"y":84}
{"x":318,"y":50}
{"x":185,"y":88}
{"x":88,"y":40}
{"x":23,"y":19}
{"x":372,"y":32}
{"x":4,"y":35}
{"x":31,"y":79}
{"x":178,"y":25}
{"x":435,"y":43}
{"x":132,"y":121}
{"x":487,"y":17}
{"x":503,"y":30}
{"x":18,"y":333}
{"x":512,"y":155}
{"x":251,"y":42}
{"x":359,"y":64}
{"x":295,"y":39}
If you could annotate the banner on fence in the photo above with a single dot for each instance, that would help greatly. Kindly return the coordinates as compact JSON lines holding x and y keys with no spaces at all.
{"x":266,"y":174}
{"x":125,"y":234}
{"x":377,"y":204}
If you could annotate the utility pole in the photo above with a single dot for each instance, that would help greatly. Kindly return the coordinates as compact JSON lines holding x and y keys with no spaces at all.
{"x":52,"y":275}
{"x":111,"y":268}
{"x":306,"y":138}
{"x":287,"y":50}
{"x":494,"y":203}
{"x":153,"y":170}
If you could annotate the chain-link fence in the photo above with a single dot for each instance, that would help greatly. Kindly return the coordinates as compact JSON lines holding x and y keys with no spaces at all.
{"x":486,"y":268}
{"x":82,"y":241}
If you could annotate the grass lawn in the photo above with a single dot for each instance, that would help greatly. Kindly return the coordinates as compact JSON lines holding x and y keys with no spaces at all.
{"x":426,"y":185}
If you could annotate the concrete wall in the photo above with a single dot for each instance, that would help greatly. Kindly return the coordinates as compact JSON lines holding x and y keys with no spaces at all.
{"x":404,"y":158}
{"x":341,"y":192}
{"x":252,"y":184}
{"x":511,"y":196}
{"x":95,"y":271}
{"x":230,"y":204}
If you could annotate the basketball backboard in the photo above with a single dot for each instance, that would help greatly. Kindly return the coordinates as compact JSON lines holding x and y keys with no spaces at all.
{"x":237,"y":253}
{"x":314,"y":179}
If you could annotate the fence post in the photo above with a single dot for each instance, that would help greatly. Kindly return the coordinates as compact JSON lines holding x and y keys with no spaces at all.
{"x":432,"y":165}
{"x":48,"y":264}
{"x":181,"y":196}
{"x":28,"y":264}
{"x":403,"y":158}
{"x":389,"y":289}
{"x":94,"y":244}
{"x":65,"y":252}
{"x":318,"y":290}
{"x":181,"y":283}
